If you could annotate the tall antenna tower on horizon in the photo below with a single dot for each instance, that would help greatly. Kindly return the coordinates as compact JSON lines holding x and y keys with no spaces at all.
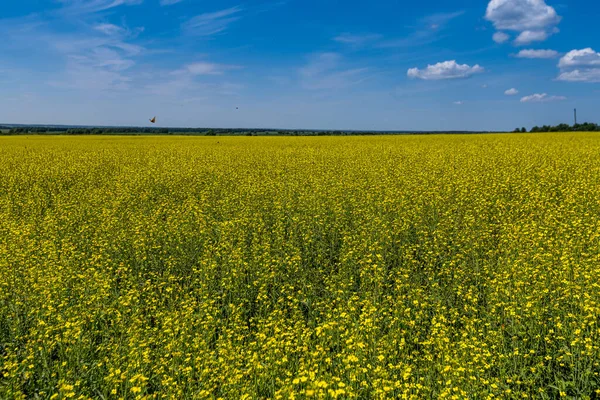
{"x":575,"y":116}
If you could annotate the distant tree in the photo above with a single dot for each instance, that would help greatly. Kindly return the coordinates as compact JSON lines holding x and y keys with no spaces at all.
{"x":523,"y":130}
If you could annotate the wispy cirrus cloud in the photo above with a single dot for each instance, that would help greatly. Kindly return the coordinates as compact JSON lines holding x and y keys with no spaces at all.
{"x":95,"y":57}
{"x":205,"y":68}
{"x":439,"y":20}
{"x":109,"y":29}
{"x":212,"y":23}
{"x":326,"y":71}
{"x":94,"y":6}
{"x":191,"y":79}
{"x":169,"y":2}
{"x":426,"y":30}
{"x":541,"y":98}
{"x":182,"y":89}
{"x":357,"y":39}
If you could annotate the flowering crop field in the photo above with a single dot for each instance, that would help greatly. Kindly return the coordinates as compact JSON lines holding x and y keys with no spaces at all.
{"x":326,"y":267}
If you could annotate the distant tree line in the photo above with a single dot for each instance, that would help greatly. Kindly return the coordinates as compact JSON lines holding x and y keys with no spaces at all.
{"x":84,"y":131}
{"x":585,"y":127}
{"x":79,"y":130}
{"x":23,"y":130}
{"x":109,"y":131}
{"x":32,"y":129}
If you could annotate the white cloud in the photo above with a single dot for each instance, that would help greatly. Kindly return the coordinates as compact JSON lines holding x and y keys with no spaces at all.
{"x":521,"y":15}
{"x":208,"y":24}
{"x":169,"y":2}
{"x":445,"y":70}
{"x":500,"y":37}
{"x":541,"y":98}
{"x":528,"y":37}
{"x":580,"y":66}
{"x":587,"y":75}
{"x":511,"y":92}
{"x":534,"y":19}
{"x":537,"y":54}
{"x":580,"y":58}
{"x":459,"y":103}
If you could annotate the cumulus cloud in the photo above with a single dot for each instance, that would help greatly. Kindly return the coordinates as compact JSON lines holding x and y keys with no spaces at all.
{"x":511,"y":92}
{"x":580,"y":66}
{"x":500,"y":37}
{"x":528,"y":37}
{"x":541,"y":98}
{"x":578,"y":58}
{"x":521,"y":15}
{"x":537,"y":54}
{"x":445,"y":70}
{"x":586,"y":75}
{"x":534,"y":19}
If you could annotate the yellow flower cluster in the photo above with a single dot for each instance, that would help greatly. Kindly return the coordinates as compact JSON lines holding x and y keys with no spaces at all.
{"x":383,"y":267}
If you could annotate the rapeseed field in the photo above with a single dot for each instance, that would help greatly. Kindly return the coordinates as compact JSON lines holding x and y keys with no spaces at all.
{"x":410,"y":267}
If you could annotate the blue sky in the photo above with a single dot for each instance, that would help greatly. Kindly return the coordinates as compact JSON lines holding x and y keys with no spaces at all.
{"x":313,"y":64}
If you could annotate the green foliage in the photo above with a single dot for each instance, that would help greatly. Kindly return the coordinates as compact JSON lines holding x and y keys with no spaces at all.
{"x":585,"y":127}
